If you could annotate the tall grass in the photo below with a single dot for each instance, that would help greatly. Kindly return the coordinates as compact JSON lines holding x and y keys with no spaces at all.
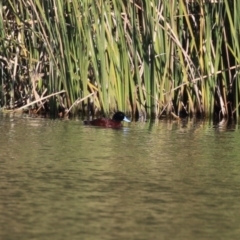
{"x":174,"y":58}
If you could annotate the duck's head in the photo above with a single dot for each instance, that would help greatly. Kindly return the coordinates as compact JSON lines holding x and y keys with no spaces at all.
{"x":120,"y":116}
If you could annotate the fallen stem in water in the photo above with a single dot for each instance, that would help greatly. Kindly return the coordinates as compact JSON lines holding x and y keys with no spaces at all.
{"x":39,"y":100}
{"x":77,"y":102}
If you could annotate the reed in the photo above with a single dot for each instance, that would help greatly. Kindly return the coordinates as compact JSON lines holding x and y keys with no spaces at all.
{"x":150,"y":58}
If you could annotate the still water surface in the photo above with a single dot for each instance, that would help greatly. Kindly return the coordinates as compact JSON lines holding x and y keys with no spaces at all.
{"x":167,"y":180}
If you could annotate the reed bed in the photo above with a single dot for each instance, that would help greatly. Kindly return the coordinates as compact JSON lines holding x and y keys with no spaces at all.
{"x":150,"y":58}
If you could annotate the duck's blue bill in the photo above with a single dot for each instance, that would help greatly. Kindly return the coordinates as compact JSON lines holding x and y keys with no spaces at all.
{"x":126,"y":120}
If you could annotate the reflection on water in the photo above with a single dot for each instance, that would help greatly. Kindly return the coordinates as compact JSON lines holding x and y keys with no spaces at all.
{"x":165,"y":180}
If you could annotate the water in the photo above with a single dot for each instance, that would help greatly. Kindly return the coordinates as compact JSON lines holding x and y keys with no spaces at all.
{"x":166,"y":180}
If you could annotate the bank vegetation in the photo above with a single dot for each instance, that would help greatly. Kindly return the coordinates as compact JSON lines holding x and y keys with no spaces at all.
{"x":156,"y":58}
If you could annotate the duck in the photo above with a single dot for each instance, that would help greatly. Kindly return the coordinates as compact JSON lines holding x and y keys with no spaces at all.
{"x":115,"y":122}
